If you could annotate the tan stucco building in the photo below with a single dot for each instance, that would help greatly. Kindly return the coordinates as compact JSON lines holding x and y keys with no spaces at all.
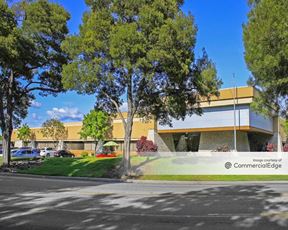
{"x":74,"y":142}
{"x":215,"y":127}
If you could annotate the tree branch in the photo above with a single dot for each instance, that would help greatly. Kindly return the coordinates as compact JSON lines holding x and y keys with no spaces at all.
{"x":44,"y":89}
{"x":32,"y":82}
{"x":137,"y":96}
{"x":117,"y":108}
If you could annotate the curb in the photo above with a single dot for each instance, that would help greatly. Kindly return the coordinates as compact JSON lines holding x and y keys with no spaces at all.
{"x":204,"y":182}
{"x":108,"y":180}
{"x":104,"y":180}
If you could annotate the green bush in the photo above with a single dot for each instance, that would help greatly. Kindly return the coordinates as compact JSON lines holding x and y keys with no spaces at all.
{"x":84,"y":154}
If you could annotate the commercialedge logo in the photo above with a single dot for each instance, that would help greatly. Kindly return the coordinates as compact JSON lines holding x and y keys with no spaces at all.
{"x":228,"y":165}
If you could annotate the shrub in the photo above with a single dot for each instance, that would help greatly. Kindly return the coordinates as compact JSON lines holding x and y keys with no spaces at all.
{"x":285,"y":148}
{"x":223,"y":148}
{"x":146,"y":147}
{"x":84,"y":154}
{"x":271,"y":147}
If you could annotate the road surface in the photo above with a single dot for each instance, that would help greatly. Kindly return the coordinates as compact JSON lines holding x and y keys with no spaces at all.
{"x":32,"y":203}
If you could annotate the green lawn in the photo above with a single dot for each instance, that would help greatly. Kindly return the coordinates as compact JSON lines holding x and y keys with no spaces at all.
{"x":15,"y":159}
{"x":95,"y":167}
{"x":216,"y":177}
{"x":77,"y":167}
{"x":155,"y":163}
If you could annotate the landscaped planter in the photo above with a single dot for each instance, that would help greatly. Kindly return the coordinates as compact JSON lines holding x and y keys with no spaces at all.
{"x":102,"y":155}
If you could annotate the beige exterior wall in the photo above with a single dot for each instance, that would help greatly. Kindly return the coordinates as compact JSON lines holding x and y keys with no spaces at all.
{"x":241,"y":92}
{"x":210,"y":141}
{"x":140,"y":128}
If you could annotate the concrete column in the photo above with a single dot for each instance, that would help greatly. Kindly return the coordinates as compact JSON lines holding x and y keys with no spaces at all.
{"x":165,"y":142}
{"x":33,"y":144}
{"x":19,"y":144}
{"x":60,"y":145}
{"x":276,"y":138}
{"x":151,"y":135}
{"x":210,"y":141}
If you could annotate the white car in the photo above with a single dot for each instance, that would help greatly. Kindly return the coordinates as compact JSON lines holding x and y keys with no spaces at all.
{"x":47,"y":152}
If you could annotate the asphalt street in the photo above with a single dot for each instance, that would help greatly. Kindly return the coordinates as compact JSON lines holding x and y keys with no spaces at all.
{"x":36,"y":203}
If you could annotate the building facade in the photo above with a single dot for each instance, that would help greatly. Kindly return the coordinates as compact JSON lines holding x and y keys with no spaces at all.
{"x":214,"y":128}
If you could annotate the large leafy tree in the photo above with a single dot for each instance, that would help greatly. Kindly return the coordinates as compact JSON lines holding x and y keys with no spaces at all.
{"x":266,"y":53}
{"x":142,"y":53}
{"x":31,"y":33}
{"x":55,"y":130}
{"x":24,"y":133}
{"x":96,"y":125}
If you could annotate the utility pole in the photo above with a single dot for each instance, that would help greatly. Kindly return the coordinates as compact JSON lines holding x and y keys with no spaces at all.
{"x":234,"y":102}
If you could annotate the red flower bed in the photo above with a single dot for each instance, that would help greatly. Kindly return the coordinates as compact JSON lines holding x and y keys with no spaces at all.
{"x":102,"y":155}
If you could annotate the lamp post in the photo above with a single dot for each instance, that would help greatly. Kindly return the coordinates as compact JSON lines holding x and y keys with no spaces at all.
{"x":234,"y":104}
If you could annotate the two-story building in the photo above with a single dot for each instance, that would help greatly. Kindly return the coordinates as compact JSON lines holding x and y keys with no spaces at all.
{"x":214,"y":128}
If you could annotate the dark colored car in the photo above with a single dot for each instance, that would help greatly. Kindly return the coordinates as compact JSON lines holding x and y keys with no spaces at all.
{"x":64,"y":153}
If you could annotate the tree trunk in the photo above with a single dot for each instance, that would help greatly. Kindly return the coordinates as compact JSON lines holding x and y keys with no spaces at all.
{"x":6,"y":145}
{"x":127,"y":141}
{"x":98,"y":146}
{"x":128,"y":127}
{"x":7,"y":120}
{"x":95,"y":148}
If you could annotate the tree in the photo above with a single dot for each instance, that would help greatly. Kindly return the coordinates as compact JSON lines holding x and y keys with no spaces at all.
{"x":96,"y":125}
{"x":266,"y":53}
{"x":31,"y":58}
{"x":140,"y":53}
{"x":55,"y":130}
{"x":24,"y":133}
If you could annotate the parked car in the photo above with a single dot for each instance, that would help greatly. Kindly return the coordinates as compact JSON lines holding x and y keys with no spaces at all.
{"x":47,"y":152}
{"x":64,"y":153}
{"x":37,"y":150}
{"x":25,"y":153}
{"x":12,"y":151}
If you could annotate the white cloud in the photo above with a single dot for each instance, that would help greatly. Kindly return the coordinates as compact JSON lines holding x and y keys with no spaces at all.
{"x":35,"y":104}
{"x":66,"y":114}
{"x":124,"y":107}
{"x":35,"y":116}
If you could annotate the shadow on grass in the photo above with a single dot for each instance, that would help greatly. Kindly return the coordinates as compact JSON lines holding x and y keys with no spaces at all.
{"x":77,"y":167}
{"x":222,"y":207}
{"x":136,"y":167}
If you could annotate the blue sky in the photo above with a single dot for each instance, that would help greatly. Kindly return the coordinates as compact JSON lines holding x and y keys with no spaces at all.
{"x":219,"y":31}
